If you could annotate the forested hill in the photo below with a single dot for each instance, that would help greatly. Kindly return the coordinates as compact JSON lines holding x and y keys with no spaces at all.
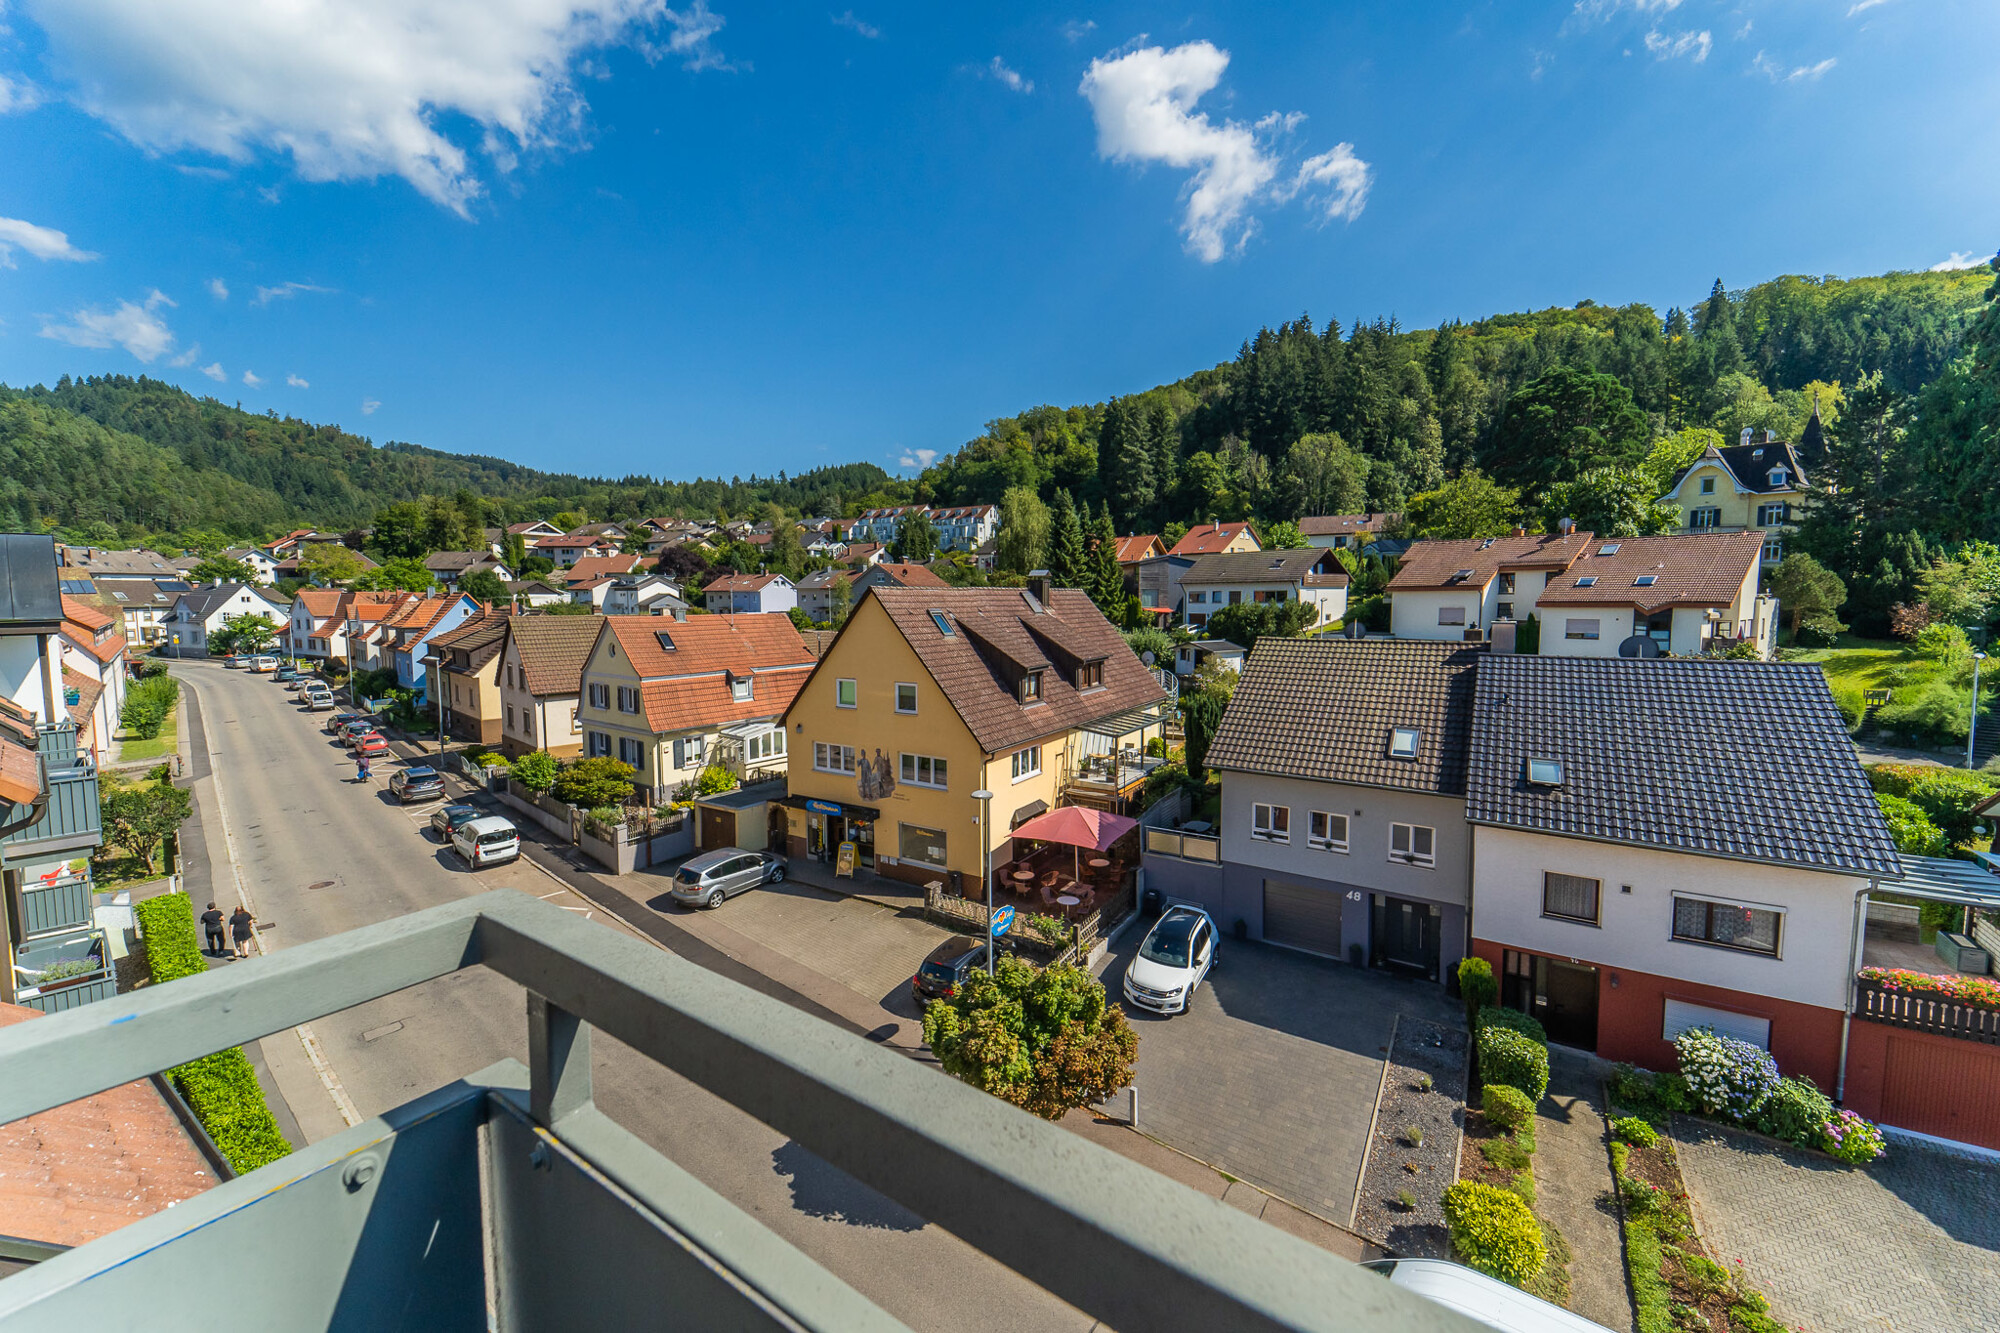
{"x":1411,"y":407}
{"x":140,"y":454}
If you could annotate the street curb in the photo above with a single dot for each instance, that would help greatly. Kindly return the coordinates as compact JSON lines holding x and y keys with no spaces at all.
{"x":1374,"y":1117}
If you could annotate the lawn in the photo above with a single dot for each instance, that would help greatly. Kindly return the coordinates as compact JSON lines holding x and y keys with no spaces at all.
{"x":1857,"y":665}
{"x":132,"y":750}
{"x":117,"y":870}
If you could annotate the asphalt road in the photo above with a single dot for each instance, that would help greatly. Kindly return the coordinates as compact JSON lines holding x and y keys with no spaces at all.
{"x":319,"y":854}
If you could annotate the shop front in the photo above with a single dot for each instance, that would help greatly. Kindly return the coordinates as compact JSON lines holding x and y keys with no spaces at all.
{"x":830,"y":823}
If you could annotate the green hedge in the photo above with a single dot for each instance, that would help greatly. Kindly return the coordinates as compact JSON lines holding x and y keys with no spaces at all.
{"x":221,"y":1089}
{"x":1493,"y":1231}
{"x":1519,"y":1061}
{"x":1514,"y":1021}
{"x":1505,"y":1106}
{"x":148,"y":705}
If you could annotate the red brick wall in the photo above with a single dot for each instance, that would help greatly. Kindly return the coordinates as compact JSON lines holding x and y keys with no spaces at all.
{"x":1805,"y":1038}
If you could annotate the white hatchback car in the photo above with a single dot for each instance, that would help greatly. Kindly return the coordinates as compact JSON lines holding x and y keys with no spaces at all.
{"x":1173,"y":959}
{"x":486,"y":842}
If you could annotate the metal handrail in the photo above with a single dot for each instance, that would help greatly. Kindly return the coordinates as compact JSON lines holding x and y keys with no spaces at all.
{"x":1115,"y":1239}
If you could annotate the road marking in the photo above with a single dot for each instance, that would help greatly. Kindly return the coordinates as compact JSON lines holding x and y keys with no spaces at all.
{"x":328,"y":1079}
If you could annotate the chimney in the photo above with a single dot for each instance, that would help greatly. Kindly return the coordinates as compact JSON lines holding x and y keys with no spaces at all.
{"x":1500,"y":636}
{"x":1038,"y":584}
{"x":1566,"y":526}
{"x":1520,"y":531}
{"x":1747,"y":433}
{"x":1770,"y":437}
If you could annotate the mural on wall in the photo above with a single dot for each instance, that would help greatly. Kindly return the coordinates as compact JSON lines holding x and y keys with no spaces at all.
{"x":877,"y":776}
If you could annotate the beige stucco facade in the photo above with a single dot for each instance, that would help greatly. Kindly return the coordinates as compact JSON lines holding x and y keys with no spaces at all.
{"x":1710,"y":499}
{"x":534,"y":722}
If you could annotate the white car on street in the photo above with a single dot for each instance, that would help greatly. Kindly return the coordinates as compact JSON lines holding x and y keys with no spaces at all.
{"x":1173,"y":959}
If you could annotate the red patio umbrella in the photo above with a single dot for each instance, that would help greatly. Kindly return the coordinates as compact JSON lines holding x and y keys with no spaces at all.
{"x":1078,"y":826}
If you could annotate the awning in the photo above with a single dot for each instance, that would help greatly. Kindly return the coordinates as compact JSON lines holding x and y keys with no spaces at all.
{"x":1077,"y":826}
{"x":1128,"y":723}
{"x":749,"y":731}
{"x":1940,"y":879}
{"x":820,"y":806}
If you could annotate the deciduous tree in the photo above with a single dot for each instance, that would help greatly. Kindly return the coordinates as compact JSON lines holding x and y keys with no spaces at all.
{"x":1048,"y":1041}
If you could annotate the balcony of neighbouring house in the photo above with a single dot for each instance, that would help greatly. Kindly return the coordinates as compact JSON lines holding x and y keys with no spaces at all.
{"x":508,"y":1199}
{"x":70,"y":818}
{"x":64,"y":970}
{"x":56,"y":897}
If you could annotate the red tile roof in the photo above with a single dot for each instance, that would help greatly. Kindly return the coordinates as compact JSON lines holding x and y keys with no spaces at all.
{"x":1691,"y":569}
{"x":741,"y":583}
{"x":74,"y":1173}
{"x":1137,"y":547}
{"x":86,"y":615}
{"x":688,"y":685}
{"x":1436,"y":564}
{"x":603,"y":566}
{"x":20,"y":767}
{"x":1209,"y":538}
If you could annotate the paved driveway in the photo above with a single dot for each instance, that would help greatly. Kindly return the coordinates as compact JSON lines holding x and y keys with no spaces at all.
{"x":1272,"y":1073}
{"x":1913,"y":1242}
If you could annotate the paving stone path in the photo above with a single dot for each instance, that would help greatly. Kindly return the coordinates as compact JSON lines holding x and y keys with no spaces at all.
{"x":1913,"y":1242}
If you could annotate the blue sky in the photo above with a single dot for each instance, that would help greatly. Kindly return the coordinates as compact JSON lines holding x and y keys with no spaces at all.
{"x":613,"y":236}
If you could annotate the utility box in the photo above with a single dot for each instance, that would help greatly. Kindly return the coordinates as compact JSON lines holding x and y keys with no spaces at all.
{"x":1961,"y":954}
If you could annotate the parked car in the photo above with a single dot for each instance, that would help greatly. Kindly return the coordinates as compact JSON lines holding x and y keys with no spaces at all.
{"x":339,"y":722}
{"x":446,"y":819}
{"x":707,"y":879}
{"x":356,"y":729}
{"x":235,"y":660}
{"x":373,"y":744}
{"x":288,"y":675}
{"x":318,"y":701}
{"x":1173,"y":959}
{"x":1486,"y":1300}
{"x":420,"y":783}
{"x":945,"y":970}
{"x":263,"y":664}
{"x":487,"y":841}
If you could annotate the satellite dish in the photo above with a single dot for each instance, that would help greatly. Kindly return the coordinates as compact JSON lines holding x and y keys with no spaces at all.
{"x":1640,"y":645}
{"x":1147,"y":657}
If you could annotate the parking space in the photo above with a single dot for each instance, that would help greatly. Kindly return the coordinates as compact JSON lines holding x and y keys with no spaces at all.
{"x":1273,"y":1072}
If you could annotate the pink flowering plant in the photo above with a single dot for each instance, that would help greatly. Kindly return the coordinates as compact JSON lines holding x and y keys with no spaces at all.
{"x":1967,"y":990}
{"x":1851,"y":1139}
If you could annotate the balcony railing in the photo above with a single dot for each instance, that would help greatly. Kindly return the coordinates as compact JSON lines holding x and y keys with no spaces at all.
{"x":1926,"y":1013}
{"x":1187,"y":846}
{"x":63,"y":903}
{"x":510,"y":1192}
{"x":71,"y":817}
{"x":98,"y":979}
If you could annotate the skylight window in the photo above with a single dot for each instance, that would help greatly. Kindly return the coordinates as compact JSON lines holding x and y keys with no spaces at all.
{"x":1403,"y":742}
{"x":943,"y":623}
{"x":666,"y":639}
{"x":1646,"y":580}
{"x":1587,"y":581}
{"x":1545,"y":772}
{"x":1609,"y":548}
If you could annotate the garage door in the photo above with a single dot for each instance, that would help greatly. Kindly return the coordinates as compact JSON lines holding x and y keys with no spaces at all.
{"x":718,"y":829}
{"x":1724,"y":1023}
{"x":1299,"y":917}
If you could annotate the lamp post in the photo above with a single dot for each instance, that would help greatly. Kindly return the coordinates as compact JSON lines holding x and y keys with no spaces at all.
{"x":985,"y":799}
{"x":1972,"y":730}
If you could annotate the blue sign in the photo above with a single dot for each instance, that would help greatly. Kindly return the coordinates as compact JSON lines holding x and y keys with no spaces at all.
{"x":1003,"y":917}
{"x":823,"y":807}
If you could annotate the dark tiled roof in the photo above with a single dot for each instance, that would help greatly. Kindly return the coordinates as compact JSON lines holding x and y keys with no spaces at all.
{"x":1751,"y":465}
{"x":202,"y":602}
{"x":1322,"y":709}
{"x":997,"y":635}
{"x":480,"y":637}
{"x":1435,"y":564}
{"x":1316,"y":563}
{"x":1746,"y":760}
{"x":1693,"y":569}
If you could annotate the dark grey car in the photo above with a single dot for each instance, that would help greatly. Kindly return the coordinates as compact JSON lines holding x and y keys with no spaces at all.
{"x":706,"y":880}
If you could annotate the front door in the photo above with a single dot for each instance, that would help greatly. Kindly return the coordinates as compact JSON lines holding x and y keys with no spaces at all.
{"x":863,"y":833}
{"x":1406,"y":936}
{"x":1562,"y":996}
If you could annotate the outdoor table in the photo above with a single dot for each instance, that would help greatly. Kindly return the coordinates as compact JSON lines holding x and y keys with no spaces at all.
{"x":1197,"y":826}
{"x":1068,"y":899}
{"x":1023,"y":876}
{"x":1099,"y":862}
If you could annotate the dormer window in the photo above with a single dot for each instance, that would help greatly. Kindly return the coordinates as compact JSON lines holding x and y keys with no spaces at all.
{"x":1031,"y":688}
{"x":1544,"y":772}
{"x":1778,"y":476}
{"x":1403,"y":742}
{"x":741,"y":688}
{"x":1090,"y":676}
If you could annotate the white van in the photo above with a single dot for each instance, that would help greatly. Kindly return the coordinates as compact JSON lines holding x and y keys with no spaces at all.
{"x":486,"y":842}
{"x":1477,"y":1296}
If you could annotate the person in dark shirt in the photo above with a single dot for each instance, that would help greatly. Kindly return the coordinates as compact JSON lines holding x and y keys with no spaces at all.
{"x":240,"y":922}
{"x":211,"y":924}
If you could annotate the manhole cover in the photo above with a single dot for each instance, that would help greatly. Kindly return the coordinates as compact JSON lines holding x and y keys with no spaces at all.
{"x":323,"y":884}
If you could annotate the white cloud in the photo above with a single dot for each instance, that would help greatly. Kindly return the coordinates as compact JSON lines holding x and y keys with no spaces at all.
{"x":1009,"y":78}
{"x":1143,"y":101}
{"x":18,"y":95}
{"x":1076,"y":30}
{"x":1694,"y":45}
{"x":1961,"y":259}
{"x":1777,"y":73}
{"x":201,"y":173}
{"x":362,"y":88}
{"x":187,"y":358}
{"x":368,"y":406}
{"x":847,"y":20}
{"x":1587,"y":11}
{"x":286,"y":291}
{"x":252,"y":379}
{"x":215,"y":371}
{"x":132,"y":326}
{"x":1861,"y":6}
{"x":296,"y":382}
{"x":917,"y":458}
{"x":41,"y":242}
{"x":218,"y":289}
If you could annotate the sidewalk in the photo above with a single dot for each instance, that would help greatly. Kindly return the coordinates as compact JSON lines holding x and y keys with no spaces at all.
{"x":1574,"y":1184}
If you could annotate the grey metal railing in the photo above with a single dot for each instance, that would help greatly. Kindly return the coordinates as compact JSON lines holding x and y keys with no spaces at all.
{"x":71,"y":819}
{"x":509,"y":1190}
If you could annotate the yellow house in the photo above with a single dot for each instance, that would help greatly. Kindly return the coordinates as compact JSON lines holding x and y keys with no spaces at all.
{"x":931,"y":694}
{"x":670,"y":697}
{"x":1756,"y":485}
{"x":468,"y":661}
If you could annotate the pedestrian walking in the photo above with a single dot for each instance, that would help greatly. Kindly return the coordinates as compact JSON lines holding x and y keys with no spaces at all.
{"x":211,"y":924}
{"x":240,"y":922}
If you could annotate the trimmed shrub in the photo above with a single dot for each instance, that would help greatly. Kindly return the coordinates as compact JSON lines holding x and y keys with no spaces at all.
{"x":1476,"y":985}
{"x":1515,"y":1021}
{"x":1508,"y":1057}
{"x":1851,"y":1139}
{"x":536,"y":771}
{"x":1819,"y":632}
{"x":1796,"y":1111}
{"x":1635,"y":1131}
{"x":1505,"y":1106}
{"x":1493,"y":1231}
{"x":221,"y":1089}
{"x":1911,"y":827}
{"x":148,"y":705}
{"x":1726,"y":1077}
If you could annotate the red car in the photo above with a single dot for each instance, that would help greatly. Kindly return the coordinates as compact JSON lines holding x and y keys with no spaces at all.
{"x":374,"y":744}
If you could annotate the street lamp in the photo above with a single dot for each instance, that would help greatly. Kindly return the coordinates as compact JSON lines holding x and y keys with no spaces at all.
{"x":985,"y":799}
{"x":1972,"y":731}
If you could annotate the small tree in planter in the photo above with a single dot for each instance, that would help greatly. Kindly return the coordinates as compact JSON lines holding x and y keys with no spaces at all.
{"x":1046,"y":1041}
{"x":589,"y":783}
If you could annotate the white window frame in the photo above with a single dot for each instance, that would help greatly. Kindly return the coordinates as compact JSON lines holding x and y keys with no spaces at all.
{"x":631,"y":693}
{"x":924,"y":770}
{"x":1416,"y":736}
{"x":911,"y":686}
{"x":742,"y":689}
{"x":1026,"y":763}
{"x":1320,"y":825}
{"x":1572,"y":627}
{"x":1409,"y":855}
{"x":597,"y":744}
{"x":1446,"y":616}
{"x":849,"y":687}
{"x":830,"y":758}
{"x":600,"y":695}
{"x":770,"y":745}
{"x":637,"y":748}
{"x":1271,"y":823}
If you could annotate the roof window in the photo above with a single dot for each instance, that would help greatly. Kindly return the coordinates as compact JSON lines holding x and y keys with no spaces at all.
{"x":1403,"y":742}
{"x":1609,"y":548}
{"x":1645,"y":580}
{"x":666,"y":639}
{"x":1545,"y":772}
{"x":943,"y":623}
{"x":1587,"y":581}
